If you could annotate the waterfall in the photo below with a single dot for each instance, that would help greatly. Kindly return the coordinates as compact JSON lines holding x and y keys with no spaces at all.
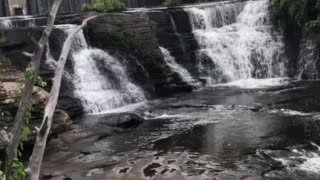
{"x":102,"y":92}
{"x":237,"y":42}
{"x":171,"y":62}
{"x":49,"y":59}
{"x":101,"y":82}
{"x":17,"y":21}
{"x":5,"y":23}
{"x":180,"y":39}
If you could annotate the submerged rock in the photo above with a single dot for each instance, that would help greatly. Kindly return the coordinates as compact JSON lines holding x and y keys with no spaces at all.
{"x":124,"y":120}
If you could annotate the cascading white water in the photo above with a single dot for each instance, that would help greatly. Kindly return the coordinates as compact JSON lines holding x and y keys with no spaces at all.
{"x":5,"y":23}
{"x":170,"y":60}
{"x":100,"y":80}
{"x":238,"y":40}
{"x":300,"y":159}
{"x":12,"y":22}
{"x":49,"y":59}
{"x":97,"y":91}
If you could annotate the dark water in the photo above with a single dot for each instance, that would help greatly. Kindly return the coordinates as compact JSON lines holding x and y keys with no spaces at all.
{"x":220,"y":132}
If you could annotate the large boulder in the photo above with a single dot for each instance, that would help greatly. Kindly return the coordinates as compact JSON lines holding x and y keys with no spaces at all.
{"x":11,"y":79}
{"x":174,"y":32}
{"x":10,"y":94}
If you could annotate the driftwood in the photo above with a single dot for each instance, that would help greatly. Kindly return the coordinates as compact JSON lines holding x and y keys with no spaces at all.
{"x":11,"y":150}
{"x":36,"y":158}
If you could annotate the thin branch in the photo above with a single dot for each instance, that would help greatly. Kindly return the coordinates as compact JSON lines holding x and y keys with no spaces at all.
{"x":36,"y":158}
{"x":12,"y":148}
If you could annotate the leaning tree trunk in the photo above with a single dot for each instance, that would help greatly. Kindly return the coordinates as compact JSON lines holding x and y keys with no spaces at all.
{"x":36,"y":158}
{"x":12,"y":148}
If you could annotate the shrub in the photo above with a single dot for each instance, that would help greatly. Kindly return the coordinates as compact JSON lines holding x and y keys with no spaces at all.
{"x":172,"y":2}
{"x":313,"y":26}
{"x":105,"y":6}
{"x":304,"y":13}
{"x":294,"y":8}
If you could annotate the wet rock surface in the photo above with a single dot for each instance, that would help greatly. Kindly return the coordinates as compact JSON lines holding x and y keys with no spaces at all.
{"x":14,"y":61}
{"x":11,"y":79}
{"x":215,"y":133}
{"x":134,"y":36}
{"x":125,"y":120}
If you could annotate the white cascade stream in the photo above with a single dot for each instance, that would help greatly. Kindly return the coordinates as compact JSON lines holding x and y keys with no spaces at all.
{"x":238,"y":40}
{"x":171,"y":62}
{"x":12,"y":22}
{"x":101,"y":82}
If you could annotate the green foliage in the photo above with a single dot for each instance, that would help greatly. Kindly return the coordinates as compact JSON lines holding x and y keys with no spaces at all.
{"x":2,"y":177}
{"x":17,"y":166}
{"x":304,"y":13}
{"x":293,"y":8}
{"x":3,"y":39}
{"x":26,"y":131}
{"x":18,"y":170}
{"x":105,"y":6}
{"x":172,"y":2}
{"x":313,"y":26}
{"x":35,"y":78}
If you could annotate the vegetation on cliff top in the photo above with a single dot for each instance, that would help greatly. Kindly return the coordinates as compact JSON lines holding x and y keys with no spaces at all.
{"x":182,"y":2}
{"x":105,"y":6}
{"x":305,"y":13}
{"x":172,"y":3}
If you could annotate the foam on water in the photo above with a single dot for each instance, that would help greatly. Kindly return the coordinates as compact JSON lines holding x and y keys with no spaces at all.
{"x":255,"y":83}
{"x":310,"y":160}
{"x":290,"y":112}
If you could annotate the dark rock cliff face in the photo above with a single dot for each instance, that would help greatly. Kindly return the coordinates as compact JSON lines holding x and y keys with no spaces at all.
{"x":303,"y":51}
{"x":135,"y":40}
{"x":174,"y":32}
{"x":302,"y":45}
{"x":132,"y":38}
{"x":292,"y":38}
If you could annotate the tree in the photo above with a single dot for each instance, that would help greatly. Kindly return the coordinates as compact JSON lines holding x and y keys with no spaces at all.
{"x":15,"y":134}
{"x":13,"y":139}
{"x":36,"y":158}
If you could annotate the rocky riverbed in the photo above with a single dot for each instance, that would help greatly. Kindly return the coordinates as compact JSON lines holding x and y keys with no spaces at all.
{"x":232,"y":131}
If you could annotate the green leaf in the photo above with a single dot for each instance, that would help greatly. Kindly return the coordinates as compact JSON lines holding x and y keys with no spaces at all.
{"x":26,"y":132}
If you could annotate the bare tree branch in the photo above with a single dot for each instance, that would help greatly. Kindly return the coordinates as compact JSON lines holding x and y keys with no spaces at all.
{"x":11,"y":150}
{"x":36,"y":158}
